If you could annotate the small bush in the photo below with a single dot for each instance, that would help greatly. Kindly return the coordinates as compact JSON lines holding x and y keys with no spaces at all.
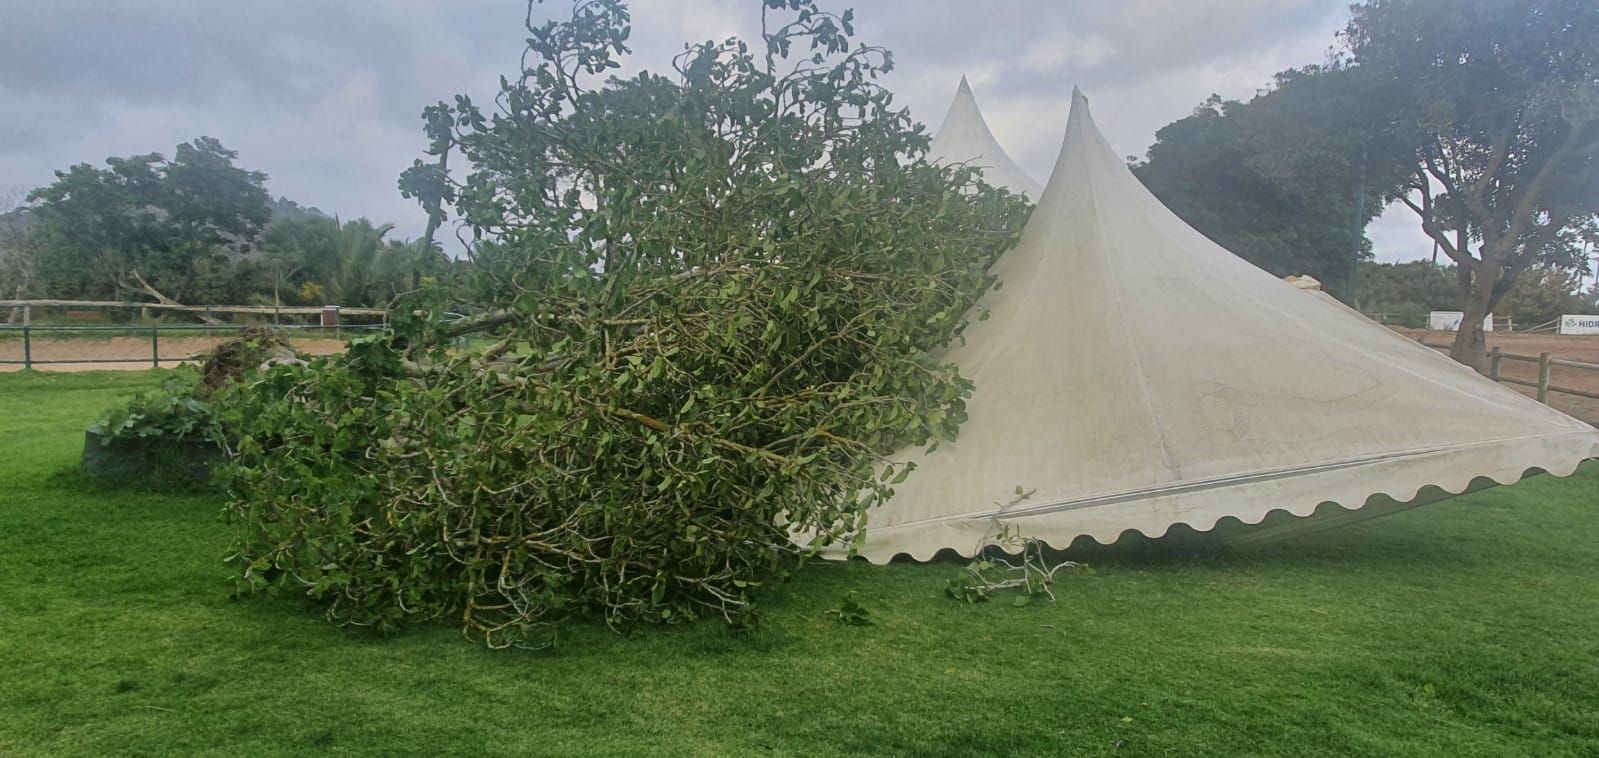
{"x":164,"y":439}
{"x":175,"y":412}
{"x":169,"y":438}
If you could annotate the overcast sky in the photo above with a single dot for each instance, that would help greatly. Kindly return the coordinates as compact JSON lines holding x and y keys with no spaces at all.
{"x":325,"y":96}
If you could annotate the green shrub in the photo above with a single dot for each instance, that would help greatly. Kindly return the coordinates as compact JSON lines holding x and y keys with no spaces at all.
{"x":175,"y":412}
{"x":168,"y":439}
{"x":164,"y":439}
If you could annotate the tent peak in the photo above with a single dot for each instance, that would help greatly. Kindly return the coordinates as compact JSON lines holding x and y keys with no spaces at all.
{"x":964,"y":138}
{"x":1079,"y":111}
{"x":1079,"y":124}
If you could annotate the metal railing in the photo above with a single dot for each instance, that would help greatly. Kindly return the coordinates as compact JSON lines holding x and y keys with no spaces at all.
{"x":30,"y":332}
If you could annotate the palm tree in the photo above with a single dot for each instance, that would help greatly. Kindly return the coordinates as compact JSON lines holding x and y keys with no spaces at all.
{"x":361,"y":257}
{"x":350,"y":263}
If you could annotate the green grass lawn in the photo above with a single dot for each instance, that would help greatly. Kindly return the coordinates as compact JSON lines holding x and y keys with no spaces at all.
{"x":1465,"y":628}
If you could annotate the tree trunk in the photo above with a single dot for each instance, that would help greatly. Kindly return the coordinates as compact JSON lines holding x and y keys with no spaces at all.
{"x":1471,"y":343}
{"x":16,"y":310}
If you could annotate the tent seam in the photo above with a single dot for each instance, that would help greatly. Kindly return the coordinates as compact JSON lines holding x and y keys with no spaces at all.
{"x":1172,"y":466}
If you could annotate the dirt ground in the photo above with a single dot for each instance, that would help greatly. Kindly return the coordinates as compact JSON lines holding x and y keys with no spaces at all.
{"x":1570,"y":347}
{"x":132,"y":353}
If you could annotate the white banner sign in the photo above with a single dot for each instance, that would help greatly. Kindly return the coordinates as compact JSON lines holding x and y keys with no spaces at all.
{"x":1449,"y":321}
{"x":1573,"y":324}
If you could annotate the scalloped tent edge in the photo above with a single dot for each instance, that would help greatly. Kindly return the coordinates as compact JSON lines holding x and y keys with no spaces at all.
{"x":1133,"y":376}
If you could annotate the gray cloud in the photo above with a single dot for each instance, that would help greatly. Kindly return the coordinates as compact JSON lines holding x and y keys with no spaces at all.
{"x":325,"y":96}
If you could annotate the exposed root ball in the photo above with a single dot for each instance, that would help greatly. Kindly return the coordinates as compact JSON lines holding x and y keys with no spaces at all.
{"x":254,"y":348}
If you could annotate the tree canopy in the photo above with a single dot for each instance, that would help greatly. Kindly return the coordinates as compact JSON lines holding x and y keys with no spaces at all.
{"x":1479,"y":115}
{"x":174,"y":221}
{"x":1497,"y":103}
{"x":1286,"y":180}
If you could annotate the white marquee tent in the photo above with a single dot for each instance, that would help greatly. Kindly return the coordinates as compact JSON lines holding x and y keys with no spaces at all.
{"x":964,"y":137}
{"x":1133,"y":375}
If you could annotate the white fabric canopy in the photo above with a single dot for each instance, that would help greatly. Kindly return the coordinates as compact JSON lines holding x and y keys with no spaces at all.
{"x":964,"y":138}
{"x":1134,"y":375}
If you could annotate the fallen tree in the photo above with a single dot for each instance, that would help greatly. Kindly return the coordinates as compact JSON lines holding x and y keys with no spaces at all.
{"x":705,"y":311}
{"x":167,"y":301}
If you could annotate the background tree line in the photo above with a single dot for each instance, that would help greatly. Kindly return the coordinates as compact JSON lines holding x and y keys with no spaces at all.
{"x":1403,"y":293}
{"x":198,"y":229}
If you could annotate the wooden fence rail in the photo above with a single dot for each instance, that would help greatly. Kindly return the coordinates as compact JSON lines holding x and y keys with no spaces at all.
{"x":257,"y":309}
{"x":1546,"y":364}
